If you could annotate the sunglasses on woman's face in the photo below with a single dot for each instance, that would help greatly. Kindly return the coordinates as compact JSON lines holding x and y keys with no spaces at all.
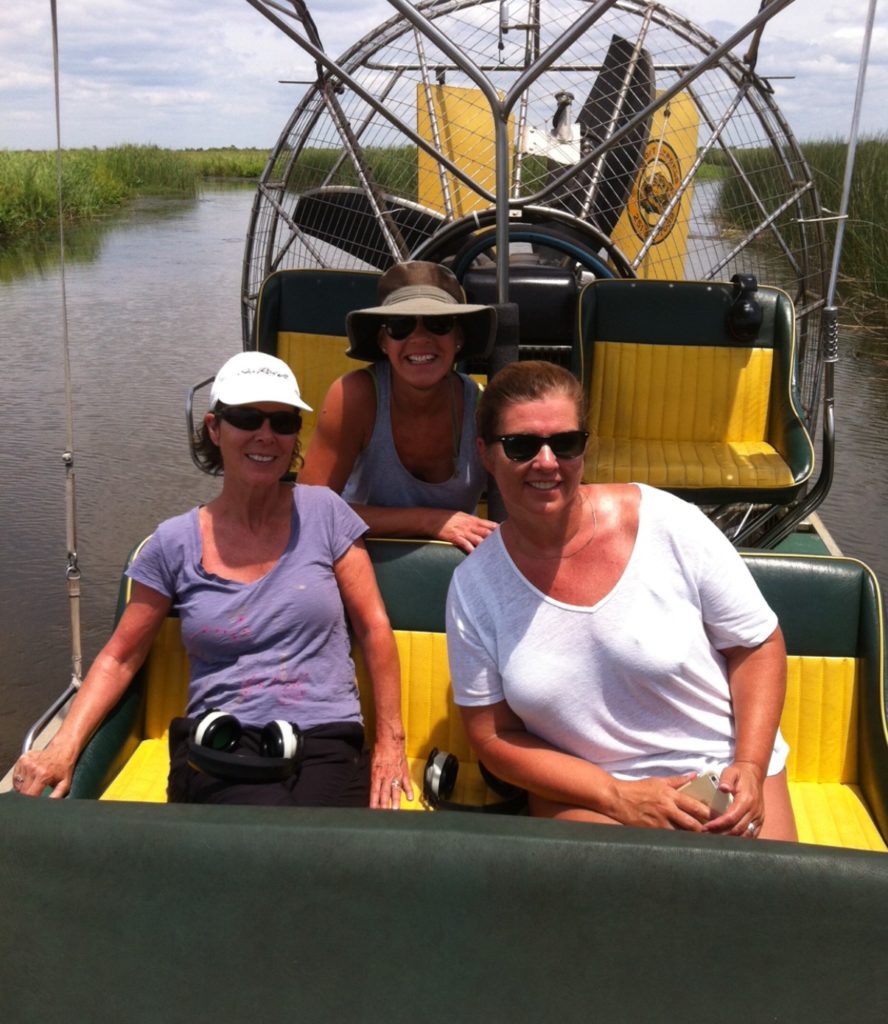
{"x":245,"y":417}
{"x":570,"y":444}
{"x":400,"y":327}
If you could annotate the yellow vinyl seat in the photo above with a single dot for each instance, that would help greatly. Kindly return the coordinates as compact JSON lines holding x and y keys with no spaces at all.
{"x":300,"y":318}
{"x":678,"y":402}
{"x":830,"y":612}
{"x":834,"y":715}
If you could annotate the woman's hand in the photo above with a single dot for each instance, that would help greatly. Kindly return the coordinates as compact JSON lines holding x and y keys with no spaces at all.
{"x":747,"y":811}
{"x":38,"y":770}
{"x":656,"y":803}
{"x":105,"y":683}
{"x":389,"y":774}
{"x":461,"y":529}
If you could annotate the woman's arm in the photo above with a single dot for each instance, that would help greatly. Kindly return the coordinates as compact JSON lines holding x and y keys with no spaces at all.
{"x":343,"y":431}
{"x":369,"y":621}
{"x":757,"y":680}
{"x":105,"y":683}
{"x":499,"y":738}
{"x":462,"y":529}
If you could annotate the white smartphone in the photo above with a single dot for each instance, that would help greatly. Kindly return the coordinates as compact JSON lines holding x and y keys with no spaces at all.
{"x":705,"y":789}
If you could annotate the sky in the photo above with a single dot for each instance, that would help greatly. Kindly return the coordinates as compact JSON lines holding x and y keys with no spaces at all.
{"x":169,"y":73}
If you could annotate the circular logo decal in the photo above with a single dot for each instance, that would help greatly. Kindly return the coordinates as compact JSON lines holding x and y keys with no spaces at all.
{"x":655,"y":186}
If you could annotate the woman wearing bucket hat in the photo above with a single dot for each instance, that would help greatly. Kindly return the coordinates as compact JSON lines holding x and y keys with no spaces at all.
{"x":397,"y":438}
{"x":266,"y":580}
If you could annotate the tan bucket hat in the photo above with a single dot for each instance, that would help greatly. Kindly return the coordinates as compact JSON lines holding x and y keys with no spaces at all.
{"x":419,"y":288}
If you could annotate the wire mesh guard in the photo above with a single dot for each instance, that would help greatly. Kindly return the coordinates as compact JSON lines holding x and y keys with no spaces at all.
{"x":671,"y":160}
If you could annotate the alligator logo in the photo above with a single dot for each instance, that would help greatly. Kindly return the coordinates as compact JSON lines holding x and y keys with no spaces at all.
{"x":654,"y":189}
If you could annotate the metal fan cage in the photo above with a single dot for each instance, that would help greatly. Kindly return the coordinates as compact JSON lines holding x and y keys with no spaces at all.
{"x":391,"y":148}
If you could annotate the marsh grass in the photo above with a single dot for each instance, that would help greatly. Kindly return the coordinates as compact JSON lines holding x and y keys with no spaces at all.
{"x":92,"y":182}
{"x":393,"y":169}
{"x":227,"y":163}
{"x":96,"y":180}
{"x":865,"y":245}
{"x":864,"y":259}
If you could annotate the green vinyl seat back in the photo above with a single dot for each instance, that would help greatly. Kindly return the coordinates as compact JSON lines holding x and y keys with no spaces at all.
{"x":834,"y":716}
{"x":290,"y":904}
{"x":677,"y":401}
{"x":300,"y":318}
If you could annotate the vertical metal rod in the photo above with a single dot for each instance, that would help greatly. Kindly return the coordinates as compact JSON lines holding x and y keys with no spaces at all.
{"x":72,"y":571}
{"x":427,"y":89}
{"x":852,"y":152}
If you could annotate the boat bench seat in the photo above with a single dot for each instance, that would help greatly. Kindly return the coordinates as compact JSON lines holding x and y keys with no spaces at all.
{"x":192,"y":913}
{"x":300,"y":318}
{"x":677,"y":401}
{"x":834,"y":716}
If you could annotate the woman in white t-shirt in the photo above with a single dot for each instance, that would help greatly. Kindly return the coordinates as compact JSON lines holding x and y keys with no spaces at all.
{"x":607,"y":644}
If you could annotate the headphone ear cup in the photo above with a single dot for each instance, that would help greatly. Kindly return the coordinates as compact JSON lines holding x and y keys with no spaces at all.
{"x":280,"y":739}
{"x":217,"y":730}
{"x":439,"y":777}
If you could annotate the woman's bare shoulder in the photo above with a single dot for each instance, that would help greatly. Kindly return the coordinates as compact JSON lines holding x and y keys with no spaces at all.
{"x":351,"y":398}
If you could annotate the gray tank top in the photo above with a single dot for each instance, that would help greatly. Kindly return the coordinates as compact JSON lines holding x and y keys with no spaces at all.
{"x":379,"y":478}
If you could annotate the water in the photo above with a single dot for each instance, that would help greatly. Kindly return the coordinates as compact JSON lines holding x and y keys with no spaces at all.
{"x":153,"y":306}
{"x":855,"y":509}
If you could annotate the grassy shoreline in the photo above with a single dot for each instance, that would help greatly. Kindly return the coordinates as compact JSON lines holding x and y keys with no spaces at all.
{"x":97,"y":180}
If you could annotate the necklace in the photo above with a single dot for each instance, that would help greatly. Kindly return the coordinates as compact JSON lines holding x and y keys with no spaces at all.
{"x":582,"y":547}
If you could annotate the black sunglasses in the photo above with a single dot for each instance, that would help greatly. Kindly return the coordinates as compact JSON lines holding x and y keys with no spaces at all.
{"x":400,"y":327}
{"x":245,"y":417}
{"x":523,"y":447}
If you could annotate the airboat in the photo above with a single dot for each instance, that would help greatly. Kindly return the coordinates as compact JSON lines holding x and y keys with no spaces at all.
{"x":624,"y":188}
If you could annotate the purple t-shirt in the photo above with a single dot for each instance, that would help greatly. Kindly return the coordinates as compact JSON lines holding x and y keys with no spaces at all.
{"x":274,"y":648}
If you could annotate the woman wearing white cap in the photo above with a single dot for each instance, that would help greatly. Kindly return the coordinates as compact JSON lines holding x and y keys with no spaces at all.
{"x":397,"y":438}
{"x":266,"y":579}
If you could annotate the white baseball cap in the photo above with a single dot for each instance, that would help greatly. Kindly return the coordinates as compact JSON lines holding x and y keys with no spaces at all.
{"x":256,"y":377}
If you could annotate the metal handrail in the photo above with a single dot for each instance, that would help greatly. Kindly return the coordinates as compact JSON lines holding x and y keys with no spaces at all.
{"x":43,"y":721}
{"x":189,"y":420}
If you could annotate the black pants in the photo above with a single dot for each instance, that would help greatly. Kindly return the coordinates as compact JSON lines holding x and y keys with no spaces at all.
{"x":335,"y":771}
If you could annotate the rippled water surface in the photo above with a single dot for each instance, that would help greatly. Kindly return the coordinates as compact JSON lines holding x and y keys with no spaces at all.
{"x":153,"y":306}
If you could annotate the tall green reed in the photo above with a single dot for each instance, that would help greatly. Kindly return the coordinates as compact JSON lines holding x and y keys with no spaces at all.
{"x":864,"y":258}
{"x":93,"y":180}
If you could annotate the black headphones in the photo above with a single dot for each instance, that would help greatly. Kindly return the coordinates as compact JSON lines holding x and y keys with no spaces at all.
{"x":213,"y":749}
{"x":439,"y":781}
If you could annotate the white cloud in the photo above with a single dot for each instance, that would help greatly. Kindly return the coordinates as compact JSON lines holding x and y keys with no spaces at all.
{"x":188,"y":73}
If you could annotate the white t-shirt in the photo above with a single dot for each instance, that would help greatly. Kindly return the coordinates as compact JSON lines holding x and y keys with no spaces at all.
{"x":634,"y":684}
